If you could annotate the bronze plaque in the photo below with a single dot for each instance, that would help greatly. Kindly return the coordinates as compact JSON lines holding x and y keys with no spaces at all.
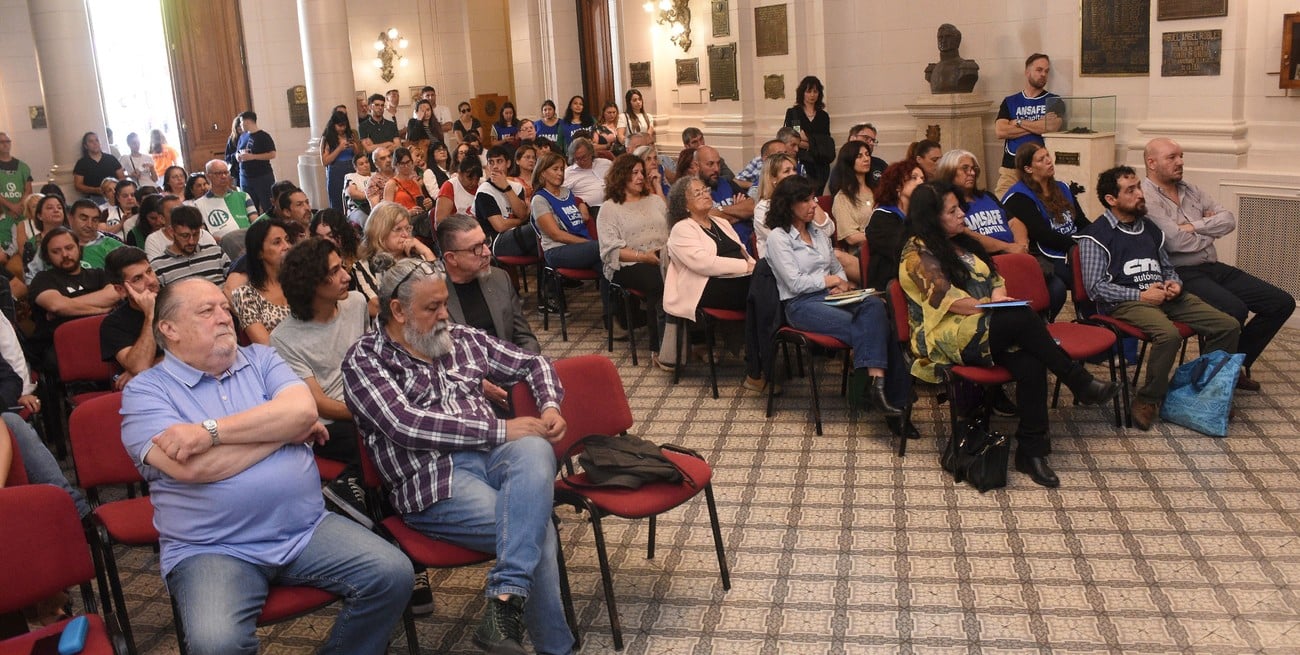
{"x":722,"y":73}
{"x":37,"y":114}
{"x":1115,"y":38}
{"x":1180,"y":9}
{"x":774,"y":87}
{"x":721,"y":13}
{"x":1067,"y":158}
{"x":1191,"y":53}
{"x":640,"y":73}
{"x":771,"y":31}
{"x":688,"y":71}
{"x":298,"y":106}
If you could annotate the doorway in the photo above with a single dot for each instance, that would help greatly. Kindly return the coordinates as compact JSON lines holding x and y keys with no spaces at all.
{"x":596,"y":51}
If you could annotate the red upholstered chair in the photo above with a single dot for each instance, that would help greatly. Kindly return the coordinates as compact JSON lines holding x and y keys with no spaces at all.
{"x":805,"y":340}
{"x":706,"y":317}
{"x":82,"y":374}
{"x":554,"y":276}
{"x":864,"y":259}
{"x":100,"y":460}
{"x":595,"y":403}
{"x":950,"y":376}
{"x":825,"y":203}
{"x":45,"y":552}
{"x":17,"y":471}
{"x":1024,"y":280}
{"x":1122,"y":329}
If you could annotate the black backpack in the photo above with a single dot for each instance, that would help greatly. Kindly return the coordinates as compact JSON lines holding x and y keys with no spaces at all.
{"x":623,"y":461}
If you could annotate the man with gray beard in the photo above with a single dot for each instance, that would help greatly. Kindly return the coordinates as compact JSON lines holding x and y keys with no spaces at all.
{"x":454,"y":469}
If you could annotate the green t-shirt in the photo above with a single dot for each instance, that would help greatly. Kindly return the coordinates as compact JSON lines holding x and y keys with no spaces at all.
{"x":93,"y":253}
{"x":14,"y":176}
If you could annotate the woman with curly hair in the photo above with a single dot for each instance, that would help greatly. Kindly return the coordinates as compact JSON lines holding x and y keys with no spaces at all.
{"x":886,"y":228}
{"x":633,"y":231}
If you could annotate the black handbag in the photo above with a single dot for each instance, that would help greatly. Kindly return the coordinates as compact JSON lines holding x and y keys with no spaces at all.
{"x":622,"y":461}
{"x":977,"y":456}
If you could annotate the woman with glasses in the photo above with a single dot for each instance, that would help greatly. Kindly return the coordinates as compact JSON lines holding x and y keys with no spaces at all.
{"x":806,"y":270}
{"x":173,"y":181}
{"x":466,"y":123}
{"x":986,"y":221}
{"x":947,"y":275}
{"x":405,"y":187}
{"x":259,"y":304}
{"x":388,"y":235}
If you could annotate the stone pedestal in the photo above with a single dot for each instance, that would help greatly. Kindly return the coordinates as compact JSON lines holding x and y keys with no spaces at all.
{"x":957,"y":117}
{"x":1081,"y":158}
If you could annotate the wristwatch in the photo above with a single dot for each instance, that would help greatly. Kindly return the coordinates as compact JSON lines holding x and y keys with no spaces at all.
{"x":1017,"y":122}
{"x":211,"y":426}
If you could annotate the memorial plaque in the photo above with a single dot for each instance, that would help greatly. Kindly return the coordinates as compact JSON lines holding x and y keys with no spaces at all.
{"x":721,"y":12}
{"x":1067,"y":158}
{"x":774,"y":87}
{"x":771,"y":31}
{"x":640,"y":73}
{"x":37,"y":115}
{"x":1180,"y":9}
{"x":722,"y":73}
{"x":1194,"y":53}
{"x":688,"y":71}
{"x":1115,"y":38}
{"x":298,"y":106}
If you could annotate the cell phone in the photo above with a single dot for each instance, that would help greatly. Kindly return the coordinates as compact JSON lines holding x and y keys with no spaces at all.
{"x":797,"y":129}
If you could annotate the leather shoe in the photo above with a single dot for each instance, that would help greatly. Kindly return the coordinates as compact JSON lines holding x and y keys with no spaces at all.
{"x":1098,"y":392}
{"x":899,"y":428}
{"x":1145,"y":414}
{"x":1038,"y":471}
{"x":876,"y":398}
{"x":1001,"y":404}
{"x":1246,"y":383}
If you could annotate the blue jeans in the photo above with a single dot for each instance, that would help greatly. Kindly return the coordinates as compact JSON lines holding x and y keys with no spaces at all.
{"x":501,"y":502}
{"x":220,"y":596}
{"x":334,"y":174}
{"x":40,"y":465}
{"x":259,"y":189}
{"x":864,"y":326}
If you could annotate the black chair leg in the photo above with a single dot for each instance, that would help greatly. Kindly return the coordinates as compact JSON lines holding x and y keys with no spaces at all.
{"x":408,"y":624}
{"x":816,"y":397}
{"x":115,"y":585}
{"x":566,"y":594}
{"x":543,"y":296}
{"x":717,"y":537}
{"x":606,"y":577}
{"x":650,"y":540}
{"x":713,"y":365}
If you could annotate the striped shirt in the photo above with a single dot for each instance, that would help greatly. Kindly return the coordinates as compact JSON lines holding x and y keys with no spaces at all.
{"x":207,"y":262}
{"x":412,"y":415}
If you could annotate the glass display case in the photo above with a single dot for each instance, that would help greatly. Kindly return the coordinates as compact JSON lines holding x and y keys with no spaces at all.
{"x":1085,"y":114}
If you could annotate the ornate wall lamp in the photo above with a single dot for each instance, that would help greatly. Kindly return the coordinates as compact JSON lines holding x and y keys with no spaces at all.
{"x":676,"y":16}
{"x":388,"y":47}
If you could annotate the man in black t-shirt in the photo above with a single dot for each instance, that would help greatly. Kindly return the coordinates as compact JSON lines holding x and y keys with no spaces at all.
{"x":256,"y":149}
{"x":65,"y":290}
{"x":374,"y":129}
{"x":126,"y":335}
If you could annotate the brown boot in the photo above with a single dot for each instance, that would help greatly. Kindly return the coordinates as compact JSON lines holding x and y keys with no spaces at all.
{"x":1145,"y":414}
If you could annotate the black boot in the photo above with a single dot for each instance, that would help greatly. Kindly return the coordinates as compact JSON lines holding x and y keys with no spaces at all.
{"x":901,"y":429}
{"x":1097,"y":392}
{"x":1037,"y":470}
{"x":876,"y":398}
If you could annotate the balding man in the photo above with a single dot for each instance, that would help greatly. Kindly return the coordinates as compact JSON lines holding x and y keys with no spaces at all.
{"x":222,"y":434}
{"x":728,"y":203}
{"x":1191,"y":221}
{"x":225,"y":209}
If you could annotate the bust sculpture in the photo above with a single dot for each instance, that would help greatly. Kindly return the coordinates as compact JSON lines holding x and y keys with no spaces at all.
{"x":951,"y":74}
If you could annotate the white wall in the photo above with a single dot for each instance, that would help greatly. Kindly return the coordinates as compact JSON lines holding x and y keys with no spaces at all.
{"x":274,"y":57}
{"x":20,"y":87}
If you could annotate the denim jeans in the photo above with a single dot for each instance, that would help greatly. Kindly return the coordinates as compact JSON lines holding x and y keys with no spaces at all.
{"x":501,"y":502}
{"x":865,"y":327}
{"x":39,"y":463}
{"x":220,"y":596}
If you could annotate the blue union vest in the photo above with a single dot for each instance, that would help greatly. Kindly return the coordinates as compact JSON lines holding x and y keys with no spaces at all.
{"x":1025,"y":108}
{"x":985,"y":216}
{"x":566,"y":213}
{"x":1134,"y":256}
{"x":1067,"y":227}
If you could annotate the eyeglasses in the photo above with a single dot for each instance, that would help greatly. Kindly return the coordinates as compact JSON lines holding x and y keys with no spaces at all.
{"x":220,"y":173}
{"x":405,"y":162}
{"x":697,"y":192}
{"x":426,"y":269}
{"x":871,"y":139}
{"x":464,"y":111}
{"x":478,"y":248}
{"x":405,"y":229}
{"x":969,"y":169}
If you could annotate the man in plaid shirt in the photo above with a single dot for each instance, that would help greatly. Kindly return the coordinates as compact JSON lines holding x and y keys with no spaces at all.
{"x":455,"y":470}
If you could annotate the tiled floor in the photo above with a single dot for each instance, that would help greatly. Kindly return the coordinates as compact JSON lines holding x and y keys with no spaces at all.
{"x":1160,"y":542}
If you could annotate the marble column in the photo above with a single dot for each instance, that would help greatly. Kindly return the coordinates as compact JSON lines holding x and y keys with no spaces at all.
{"x":327,"y":63}
{"x":70,"y":84}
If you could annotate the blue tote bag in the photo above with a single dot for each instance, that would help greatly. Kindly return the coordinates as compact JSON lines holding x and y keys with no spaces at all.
{"x":1200,"y":395}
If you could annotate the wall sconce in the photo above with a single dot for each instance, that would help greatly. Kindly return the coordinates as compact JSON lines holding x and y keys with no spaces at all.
{"x":676,"y":16}
{"x":387,"y":46}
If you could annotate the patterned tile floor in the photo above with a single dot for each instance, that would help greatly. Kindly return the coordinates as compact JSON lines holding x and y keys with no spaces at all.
{"x":1159,"y":542}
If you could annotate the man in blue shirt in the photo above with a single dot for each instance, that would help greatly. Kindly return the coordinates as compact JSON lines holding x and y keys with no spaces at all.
{"x":222,"y":435}
{"x":1025,"y":117}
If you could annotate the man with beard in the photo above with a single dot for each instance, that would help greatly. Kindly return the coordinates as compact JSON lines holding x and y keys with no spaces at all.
{"x":325,"y":319}
{"x":1191,"y":221}
{"x":126,"y":335}
{"x":1127,"y":272}
{"x":481,"y":295}
{"x":1026,"y":116}
{"x":221,"y":434}
{"x":187,"y":257}
{"x":733,"y":206}
{"x":454,"y":469}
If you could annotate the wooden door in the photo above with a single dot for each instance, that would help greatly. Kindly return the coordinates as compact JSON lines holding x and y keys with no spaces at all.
{"x":597,"y":53}
{"x":205,"y":43}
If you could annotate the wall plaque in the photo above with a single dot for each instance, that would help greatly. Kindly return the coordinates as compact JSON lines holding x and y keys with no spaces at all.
{"x":721,"y":13}
{"x":298,"y":106}
{"x":1179,"y":9}
{"x":37,"y":115}
{"x":1290,"y":77}
{"x":1198,"y":52}
{"x":1067,"y":158}
{"x":1115,"y":38}
{"x":688,"y":71}
{"x":640,"y":73}
{"x":771,"y":31}
{"x":774,"y":87}
{"x":722,"y":73}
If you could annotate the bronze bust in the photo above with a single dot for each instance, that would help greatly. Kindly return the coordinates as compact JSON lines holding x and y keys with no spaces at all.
{"x":951,"y":74}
